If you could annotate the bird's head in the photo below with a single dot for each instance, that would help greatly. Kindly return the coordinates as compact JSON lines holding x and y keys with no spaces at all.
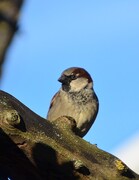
{"x":75,"y":79}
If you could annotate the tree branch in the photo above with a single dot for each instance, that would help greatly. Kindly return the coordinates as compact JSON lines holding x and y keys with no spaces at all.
{"x":34,"y":148}
{"x":9,"y":14}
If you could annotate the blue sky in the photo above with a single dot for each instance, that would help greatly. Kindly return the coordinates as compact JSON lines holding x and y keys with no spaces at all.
{"x":102,"y":37}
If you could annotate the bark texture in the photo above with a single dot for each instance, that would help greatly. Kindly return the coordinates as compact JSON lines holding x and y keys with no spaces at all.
{"x":33,"y":148}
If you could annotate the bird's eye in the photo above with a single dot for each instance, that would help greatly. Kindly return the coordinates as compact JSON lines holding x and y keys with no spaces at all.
{"x":73,"y":77}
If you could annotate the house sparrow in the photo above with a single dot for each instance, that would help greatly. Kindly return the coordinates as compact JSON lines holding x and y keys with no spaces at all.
{"x":76,"y":98}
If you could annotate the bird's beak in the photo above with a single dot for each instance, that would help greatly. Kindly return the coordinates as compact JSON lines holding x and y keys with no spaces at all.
{"x":63,"y":79}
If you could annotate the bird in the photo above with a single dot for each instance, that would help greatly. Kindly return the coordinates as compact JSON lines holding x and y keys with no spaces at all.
{"x":76,"y":98}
